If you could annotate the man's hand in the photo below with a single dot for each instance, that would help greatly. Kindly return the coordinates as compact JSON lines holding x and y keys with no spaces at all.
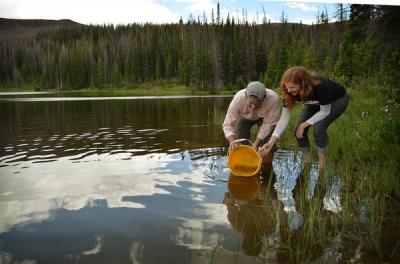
{"x":257,"y":142}
{"x":233,"y":146}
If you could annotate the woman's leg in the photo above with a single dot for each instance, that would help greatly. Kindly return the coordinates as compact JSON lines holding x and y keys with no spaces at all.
{"x":306,"y":112}
{"x":321,"y":159}
{"x":321,"y":128}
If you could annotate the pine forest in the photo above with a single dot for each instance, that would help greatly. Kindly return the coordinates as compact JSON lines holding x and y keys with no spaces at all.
{"x":224,"y":53}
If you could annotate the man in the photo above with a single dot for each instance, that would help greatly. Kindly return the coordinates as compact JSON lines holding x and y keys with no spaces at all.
{"x":254,"y":105}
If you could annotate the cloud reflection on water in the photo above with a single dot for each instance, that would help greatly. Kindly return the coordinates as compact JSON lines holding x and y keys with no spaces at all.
{"x":27,"y":197}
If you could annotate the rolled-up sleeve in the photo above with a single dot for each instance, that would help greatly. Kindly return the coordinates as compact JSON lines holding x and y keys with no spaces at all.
{"x":321,"y":114}
{"x":271,"y":118}
{"x":232,"y":116}
{"x":283,"y":122}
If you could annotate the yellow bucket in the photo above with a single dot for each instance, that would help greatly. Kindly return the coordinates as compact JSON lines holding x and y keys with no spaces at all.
{"x":244,"y":161}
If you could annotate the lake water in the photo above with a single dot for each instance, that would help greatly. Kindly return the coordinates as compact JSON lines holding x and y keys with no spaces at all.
{"x":138,"y":180}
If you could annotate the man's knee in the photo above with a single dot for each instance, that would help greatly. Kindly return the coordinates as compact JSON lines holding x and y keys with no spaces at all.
{"x":243,"y":127}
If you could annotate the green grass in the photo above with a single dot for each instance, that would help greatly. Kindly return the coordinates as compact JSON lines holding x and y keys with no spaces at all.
{"x":364,"y":152}
{"x":146,"y":89}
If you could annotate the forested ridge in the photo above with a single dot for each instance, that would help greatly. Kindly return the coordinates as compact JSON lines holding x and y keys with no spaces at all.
{"x":224,"y":53}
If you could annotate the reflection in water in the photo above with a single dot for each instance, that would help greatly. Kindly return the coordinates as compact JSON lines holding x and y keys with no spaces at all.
{"x":288,"y":165}
{"x":255,"y":212}
{"x":276,"y":213}
{"x":42,"y":187}
{"x":312,"y":201}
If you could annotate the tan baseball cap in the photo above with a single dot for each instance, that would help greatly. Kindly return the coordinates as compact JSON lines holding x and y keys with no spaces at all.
{"x":256,"y":89}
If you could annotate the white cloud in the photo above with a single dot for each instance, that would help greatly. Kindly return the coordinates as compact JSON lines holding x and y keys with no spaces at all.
{"x":90,"y":11}
{"x":198,"y":6}
{"x":370,"y":2}
{"x":302,"y":6}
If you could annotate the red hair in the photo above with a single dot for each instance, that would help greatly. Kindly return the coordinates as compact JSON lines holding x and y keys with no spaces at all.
{"x":300,"y":76}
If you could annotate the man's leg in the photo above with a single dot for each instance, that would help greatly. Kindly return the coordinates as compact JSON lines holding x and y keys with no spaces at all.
{"x":243,"y":127}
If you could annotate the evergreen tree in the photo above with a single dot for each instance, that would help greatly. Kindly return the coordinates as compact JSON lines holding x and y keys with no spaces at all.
{"x":218,"y":14}
{"x":360,"y":17}
{"x":308,"y":59}
{"x":341,"y":12}
{"x":344,"y":66}
{"x":271,"y":75}
{"x":99,"y":76}
{"x":328,"y":67}
{"x":261,"y":60}
{"x":283,"y":59}
{"x":169,"y":68}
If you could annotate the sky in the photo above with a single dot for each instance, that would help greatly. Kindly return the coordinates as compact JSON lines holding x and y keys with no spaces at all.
{"x":170,"y":11}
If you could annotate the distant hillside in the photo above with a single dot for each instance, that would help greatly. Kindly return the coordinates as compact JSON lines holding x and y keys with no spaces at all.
{"x":28,"y":28}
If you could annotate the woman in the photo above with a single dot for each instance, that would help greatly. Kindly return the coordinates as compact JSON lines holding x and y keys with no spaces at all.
{"x":324,"y":101}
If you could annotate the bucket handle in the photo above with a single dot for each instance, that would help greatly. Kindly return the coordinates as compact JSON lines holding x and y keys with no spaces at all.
{"x":241,"y":140}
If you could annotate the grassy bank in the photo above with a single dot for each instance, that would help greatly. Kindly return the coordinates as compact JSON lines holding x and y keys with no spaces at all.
{"x":364,"y":154}
{"x":365,"y":151}
{"x":146,"y":89}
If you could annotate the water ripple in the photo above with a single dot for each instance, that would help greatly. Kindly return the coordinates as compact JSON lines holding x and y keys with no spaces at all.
{"x":82,"y":146}
{"x":83,"y":155}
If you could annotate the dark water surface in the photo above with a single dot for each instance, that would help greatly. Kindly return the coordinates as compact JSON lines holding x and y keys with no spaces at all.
{"x":136,"y":180}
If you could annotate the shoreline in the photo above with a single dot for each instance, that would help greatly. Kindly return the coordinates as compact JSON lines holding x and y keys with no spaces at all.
{"x":139,"y":91}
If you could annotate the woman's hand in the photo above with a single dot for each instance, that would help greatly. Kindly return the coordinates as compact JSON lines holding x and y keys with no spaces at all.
{"x":300,"y":130}
{"x":264,"y":150}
